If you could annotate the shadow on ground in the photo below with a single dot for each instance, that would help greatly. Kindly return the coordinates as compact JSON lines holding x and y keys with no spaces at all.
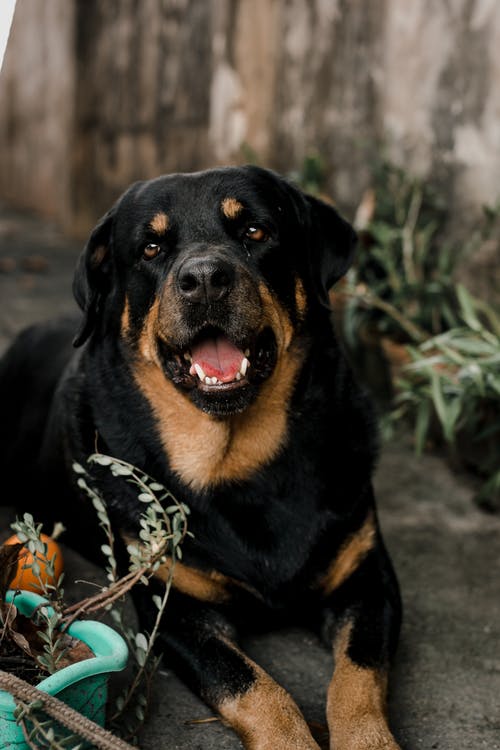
{"x":445,"y":686}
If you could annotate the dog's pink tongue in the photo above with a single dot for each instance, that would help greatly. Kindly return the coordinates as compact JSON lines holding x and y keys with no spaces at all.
{"x":218,"y":358}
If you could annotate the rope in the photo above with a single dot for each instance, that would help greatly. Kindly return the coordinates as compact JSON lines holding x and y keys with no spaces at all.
{"x":58,"y":710}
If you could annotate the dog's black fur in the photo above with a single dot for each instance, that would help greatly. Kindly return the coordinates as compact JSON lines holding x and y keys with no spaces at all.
{"x":275,"y":467}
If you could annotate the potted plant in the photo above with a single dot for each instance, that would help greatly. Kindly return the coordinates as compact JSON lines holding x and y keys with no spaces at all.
{"x":82,"y":685}
{"x":75,"y":655}
{"x":70,"y":660}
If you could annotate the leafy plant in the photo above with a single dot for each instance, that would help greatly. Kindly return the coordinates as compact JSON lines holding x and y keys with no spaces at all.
{"x":163,"y":527}
{"x":45,"y":641}
{"x":414,"y":332}
{"x":455,"y":378}
{"x":30,"y":534}
{"x":404,"y":265}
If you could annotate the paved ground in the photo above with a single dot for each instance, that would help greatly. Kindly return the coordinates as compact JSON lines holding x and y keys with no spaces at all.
{"x":446,"y":681}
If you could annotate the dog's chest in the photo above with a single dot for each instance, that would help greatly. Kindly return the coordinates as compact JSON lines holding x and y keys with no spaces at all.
{"x":264,"y":537}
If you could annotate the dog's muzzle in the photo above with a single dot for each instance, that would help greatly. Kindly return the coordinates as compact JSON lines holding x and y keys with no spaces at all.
{"x":215,"y":342}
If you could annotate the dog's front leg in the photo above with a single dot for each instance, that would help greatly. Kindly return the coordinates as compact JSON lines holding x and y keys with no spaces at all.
{"x":264,"y":714}
{"x":199,"y":643}
{"x":362,"y":620}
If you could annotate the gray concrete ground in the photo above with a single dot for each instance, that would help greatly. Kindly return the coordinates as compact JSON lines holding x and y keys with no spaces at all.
{"x":445,"y":686}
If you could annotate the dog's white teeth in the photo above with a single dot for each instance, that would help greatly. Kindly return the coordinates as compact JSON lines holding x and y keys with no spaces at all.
{"x":247,"y":352}
{"x":187,"y":357}
{"x":199,"y":372}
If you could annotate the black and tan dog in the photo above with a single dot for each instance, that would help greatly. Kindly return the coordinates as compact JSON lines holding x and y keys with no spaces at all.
{"x":206,"y":357}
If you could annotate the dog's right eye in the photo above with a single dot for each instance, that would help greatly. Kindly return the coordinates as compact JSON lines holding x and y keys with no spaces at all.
{"x":151,"y":251}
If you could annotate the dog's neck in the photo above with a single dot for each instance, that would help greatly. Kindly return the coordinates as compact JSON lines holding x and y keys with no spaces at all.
{"x":205,"y":451}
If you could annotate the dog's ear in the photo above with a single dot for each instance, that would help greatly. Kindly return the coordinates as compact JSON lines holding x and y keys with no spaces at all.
{"x":92,"y":280}
{"x":333,"y":245}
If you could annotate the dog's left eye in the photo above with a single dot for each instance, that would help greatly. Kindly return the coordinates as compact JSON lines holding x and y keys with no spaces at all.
{"x":256,"y":234}
{"x":151,"y":251}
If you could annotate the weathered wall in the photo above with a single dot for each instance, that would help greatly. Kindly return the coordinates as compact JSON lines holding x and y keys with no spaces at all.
{"x":439,"y":92}
{"x":97,"y":93}
{"x":143,"y":95}
{"x":36,"y":107}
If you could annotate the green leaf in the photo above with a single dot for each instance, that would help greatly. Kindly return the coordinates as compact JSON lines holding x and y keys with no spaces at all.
{"x":145,"y":497}
{"x":100,"y":459}
{"x":141,"y":641}
{"x":438,"y":399}
{"x":155,"y":487}
{"x":35,"y":567}
{"x":98,"y":504}
{"x":140,"y":655}
{"x":467,"y":308}
{"x":120,"y":471}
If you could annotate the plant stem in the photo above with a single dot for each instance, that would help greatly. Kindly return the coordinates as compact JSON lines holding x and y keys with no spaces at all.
{"x":151,"y":641}
{"x":105,"y":597}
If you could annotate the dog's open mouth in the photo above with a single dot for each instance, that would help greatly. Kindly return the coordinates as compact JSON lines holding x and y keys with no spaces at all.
{"x":214,"y":363}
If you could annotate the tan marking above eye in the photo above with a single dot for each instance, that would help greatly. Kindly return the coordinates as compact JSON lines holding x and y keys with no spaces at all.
{"x":151,"y":251}
{"x":159,"y":223}
{"x":256,"y":234}
{"x":231,"y":208}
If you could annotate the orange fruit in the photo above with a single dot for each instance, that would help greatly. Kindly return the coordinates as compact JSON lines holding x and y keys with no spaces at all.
{"x":24,"y":578}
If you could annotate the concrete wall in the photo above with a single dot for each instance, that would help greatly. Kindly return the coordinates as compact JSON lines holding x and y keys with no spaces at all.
{"x":97,"y":93}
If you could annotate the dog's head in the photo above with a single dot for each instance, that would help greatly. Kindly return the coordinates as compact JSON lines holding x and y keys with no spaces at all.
{"x":211,"y":277}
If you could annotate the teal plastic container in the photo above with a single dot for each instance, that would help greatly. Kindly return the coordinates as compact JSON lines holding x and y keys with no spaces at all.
{"x":83,"y":686}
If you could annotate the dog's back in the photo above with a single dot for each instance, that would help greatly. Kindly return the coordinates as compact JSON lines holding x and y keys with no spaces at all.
{"x":29,"y":374}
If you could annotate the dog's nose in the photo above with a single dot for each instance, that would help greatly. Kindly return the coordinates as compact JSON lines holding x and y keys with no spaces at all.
{"x":205,"y":280}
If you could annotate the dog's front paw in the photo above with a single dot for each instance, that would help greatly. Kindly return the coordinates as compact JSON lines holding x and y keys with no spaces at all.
{"x":367,"y":735}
